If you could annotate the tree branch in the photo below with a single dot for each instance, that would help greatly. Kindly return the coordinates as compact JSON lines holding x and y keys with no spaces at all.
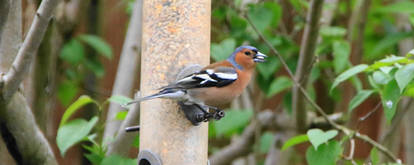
{"x":20,"y":122}
{"x":31,"y":43}
{"x":304,"y":67}
{"x":127,"y":68}
{"x":4,"y":12}
{"x":345,"y":130}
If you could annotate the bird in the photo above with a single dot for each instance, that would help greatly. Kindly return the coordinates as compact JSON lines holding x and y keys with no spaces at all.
{"x":214,"y":85}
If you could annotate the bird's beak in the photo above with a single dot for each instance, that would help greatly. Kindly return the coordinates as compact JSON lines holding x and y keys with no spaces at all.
{"x":259,"y":57}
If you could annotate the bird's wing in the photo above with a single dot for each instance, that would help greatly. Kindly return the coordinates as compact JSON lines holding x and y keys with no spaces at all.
{"x":218,"y":77}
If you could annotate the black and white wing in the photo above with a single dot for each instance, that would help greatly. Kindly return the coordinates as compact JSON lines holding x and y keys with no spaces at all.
{"x":219,"y":77}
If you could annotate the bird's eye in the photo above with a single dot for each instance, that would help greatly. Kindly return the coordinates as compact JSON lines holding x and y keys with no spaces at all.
{"x":247,"y":53}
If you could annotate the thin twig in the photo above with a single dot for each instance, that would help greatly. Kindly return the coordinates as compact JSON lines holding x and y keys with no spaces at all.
{"x":370,"y":112}
{"x":34,"y":37}
{"x":350,"y":157}
{"x":344,"y":129}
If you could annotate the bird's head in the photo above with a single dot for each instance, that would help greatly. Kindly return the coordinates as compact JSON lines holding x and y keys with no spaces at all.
{"x":246,"y":57}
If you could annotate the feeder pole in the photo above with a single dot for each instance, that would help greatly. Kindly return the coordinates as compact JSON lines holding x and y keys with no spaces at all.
{"x":176,"y":33}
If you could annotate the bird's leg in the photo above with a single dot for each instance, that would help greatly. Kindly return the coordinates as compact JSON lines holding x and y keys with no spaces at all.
{"x":207,"y":115}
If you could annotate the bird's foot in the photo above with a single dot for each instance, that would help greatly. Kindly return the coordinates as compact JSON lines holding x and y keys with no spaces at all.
{"x":217,"y":113}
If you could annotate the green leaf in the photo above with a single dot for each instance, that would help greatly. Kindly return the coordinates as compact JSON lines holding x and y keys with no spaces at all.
{"x":348,"y":74}
{"x":410,"y":53}
{"x":318,"y":137}
{"x":238,"y":24}
{"x":409,"y":91}
{"x":404,"y":76}
{"x":374,"y":156}
{"x":121,"y":115}
{"x":341,"y":51}
{"x":361,"y":96}
{"x":135,"y":143}
{"x":82,"y":100}
{"x":276,"y":10}
{"x":234,"y":122}
{"x":268,"y":69}
{"x":97,"y":153}
{"x":389,"y":41}
{"x":261,"y":17}
{"x":119,"y":99}
{"x":299,"y":5}
{"x":326,"y":154}
{"x":372,"y":83}
{"x":118,"y":160}
{"x":73,"y":132}
{"x":223,"y":50}
{"x":66,"y":91}
{"x":295,"y":140}
{"x":266,"y":141}
{"x":388,"y":61}
{"x":98,"y":44}
{"x":332,"y":31}
{"x":95,"y":66}
{"x":386,"y":69}
{"x":380,"y":77}
{"x":411,"y":18}
{"x":397,"y":7}
{"x":390,"y":96}
{"x":72,"y":52}
{"x":279,"y":84}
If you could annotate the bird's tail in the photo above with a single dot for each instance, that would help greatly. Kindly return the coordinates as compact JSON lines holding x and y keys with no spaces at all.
{"x":170,"y":93}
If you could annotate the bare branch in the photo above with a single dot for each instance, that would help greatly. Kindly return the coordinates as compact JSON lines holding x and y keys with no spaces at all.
{"x":127,"y":68}
{"x":20,"y":122}
{"x":345,"y":130}
{"x":309,"y":41}
{"x":31,"y":43}
{"x":350,"y":157}
{"x":4,"y":12}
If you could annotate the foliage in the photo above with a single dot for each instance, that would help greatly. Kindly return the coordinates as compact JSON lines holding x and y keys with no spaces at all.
{"x":233,"y":123}
{"x":294,"y":141}
{"x":77,"y":54}
{"x":389,"y":77}
{"x":326,"y":154}
{"x":318,"y":137}
{"x":80,"y":130}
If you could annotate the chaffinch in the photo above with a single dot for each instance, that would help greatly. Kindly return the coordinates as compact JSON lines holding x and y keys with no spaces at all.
{"x":214,"y":85}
